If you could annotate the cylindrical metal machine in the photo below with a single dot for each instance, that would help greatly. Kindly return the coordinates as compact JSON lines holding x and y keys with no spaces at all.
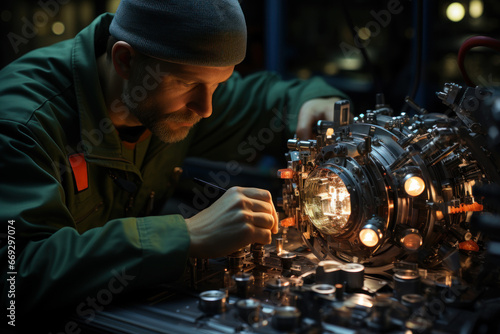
{"x":387,"y":188}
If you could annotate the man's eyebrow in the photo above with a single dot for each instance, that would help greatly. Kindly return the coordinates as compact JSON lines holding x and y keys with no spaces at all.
{"x":197,"y":80}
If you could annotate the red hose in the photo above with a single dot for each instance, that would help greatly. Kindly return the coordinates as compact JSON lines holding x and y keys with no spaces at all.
{"x":472,"y":43}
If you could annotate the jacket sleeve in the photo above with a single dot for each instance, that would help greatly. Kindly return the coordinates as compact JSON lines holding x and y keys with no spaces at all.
{"x":47,"y":266}
{"x":255,"y":114}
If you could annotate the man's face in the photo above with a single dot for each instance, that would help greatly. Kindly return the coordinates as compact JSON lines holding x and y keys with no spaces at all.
{"x":170,"y":98}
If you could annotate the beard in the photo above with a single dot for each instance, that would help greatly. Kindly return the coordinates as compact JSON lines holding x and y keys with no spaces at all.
{"x":167,"y":127}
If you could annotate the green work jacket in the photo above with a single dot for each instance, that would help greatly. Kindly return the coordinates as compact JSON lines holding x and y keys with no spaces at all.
{"x":74,"y":201}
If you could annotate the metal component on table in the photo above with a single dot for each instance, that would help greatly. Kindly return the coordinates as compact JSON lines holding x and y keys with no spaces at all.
{"x":339,"y":292}
{"x":279,"y":245}
{"x":380,"y":319}
{"x":287,"y":260}
{"x":244,"y":282}
{"x":258,"y":253}
{"x":406,"y":282}
{"x":419,"y":325}
{"x":213,"y":301}
{"x":354,"y":274}
{"x":286,"y":318}
{"x":329,"y":272}
{"x":236,"y":260}
{"x":278,"y":284}
{"x":249,"y":310}
{"x":277,"y":290}
{"x":413,"y":301}
{"x":323,"y":289}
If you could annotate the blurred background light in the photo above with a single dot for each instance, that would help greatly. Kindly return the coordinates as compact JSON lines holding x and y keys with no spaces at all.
{"x":58,"y":28}
{"x":364,"y":33}
{"x":455,"y":12}
{"x":476,"y":8}
{"x":112,"y":5}
{"x":350,"y":63}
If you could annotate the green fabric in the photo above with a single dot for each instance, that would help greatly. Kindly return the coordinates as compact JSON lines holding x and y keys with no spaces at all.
{"x":70,"y":245}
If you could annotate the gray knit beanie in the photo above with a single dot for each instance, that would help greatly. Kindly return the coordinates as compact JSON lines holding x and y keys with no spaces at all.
{"x":193,"y":32}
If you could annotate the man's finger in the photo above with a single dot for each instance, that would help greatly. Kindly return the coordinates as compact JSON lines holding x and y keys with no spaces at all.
{"x":262,"y":236}
{"x":262,"y":220}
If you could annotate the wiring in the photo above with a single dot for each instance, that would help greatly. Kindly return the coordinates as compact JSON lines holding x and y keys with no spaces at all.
{"x":470,"y":43}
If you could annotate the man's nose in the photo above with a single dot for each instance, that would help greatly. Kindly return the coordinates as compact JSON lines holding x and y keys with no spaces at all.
{"x":201,"y":101}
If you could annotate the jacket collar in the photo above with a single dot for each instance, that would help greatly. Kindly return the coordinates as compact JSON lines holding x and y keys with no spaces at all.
{"x":99,"y":138}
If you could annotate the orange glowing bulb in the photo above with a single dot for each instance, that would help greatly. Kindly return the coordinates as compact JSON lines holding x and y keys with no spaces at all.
{"x":412,"y":241}
{"x":469,"y":245}
{"x":285,"y":173}
{"x":414,"y":186}
{"x":288,"y":222}
{"x":368,"y":237}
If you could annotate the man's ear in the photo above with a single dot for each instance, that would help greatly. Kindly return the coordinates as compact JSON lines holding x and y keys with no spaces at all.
{"x":122,"y":54}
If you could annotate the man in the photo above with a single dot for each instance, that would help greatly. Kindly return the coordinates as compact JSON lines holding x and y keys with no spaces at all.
{"x":92,"y":130}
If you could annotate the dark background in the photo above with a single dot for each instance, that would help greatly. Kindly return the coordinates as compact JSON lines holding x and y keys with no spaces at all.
{"x":304,"y":38}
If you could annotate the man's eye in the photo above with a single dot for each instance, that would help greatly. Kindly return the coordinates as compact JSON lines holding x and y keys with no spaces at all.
{"x":187,"y":84}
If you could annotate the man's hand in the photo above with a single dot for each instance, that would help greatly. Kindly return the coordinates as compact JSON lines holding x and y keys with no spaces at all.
{"x":240,"y":217}
{"x":313,"y":111}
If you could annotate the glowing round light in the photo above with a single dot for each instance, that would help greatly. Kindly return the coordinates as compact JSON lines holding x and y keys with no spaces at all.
{"x":364,"y":33}
{"x":455,"y":12}
{"x":331,"y":68}
{"x":350,"y":63}
{"x":368,"y":237}
{"x":327,"y":202}
{"x":412,"y":240}
{"x":304,"y":73}
{"x":58,"y":28}
{"x":476,"y":8}
{"x":112,"y":5}
{"x":414,"y":186}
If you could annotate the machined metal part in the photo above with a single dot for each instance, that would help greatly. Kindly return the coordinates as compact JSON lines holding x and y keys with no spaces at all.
{"x":373,"y":166}
{"x":213,"y":301}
